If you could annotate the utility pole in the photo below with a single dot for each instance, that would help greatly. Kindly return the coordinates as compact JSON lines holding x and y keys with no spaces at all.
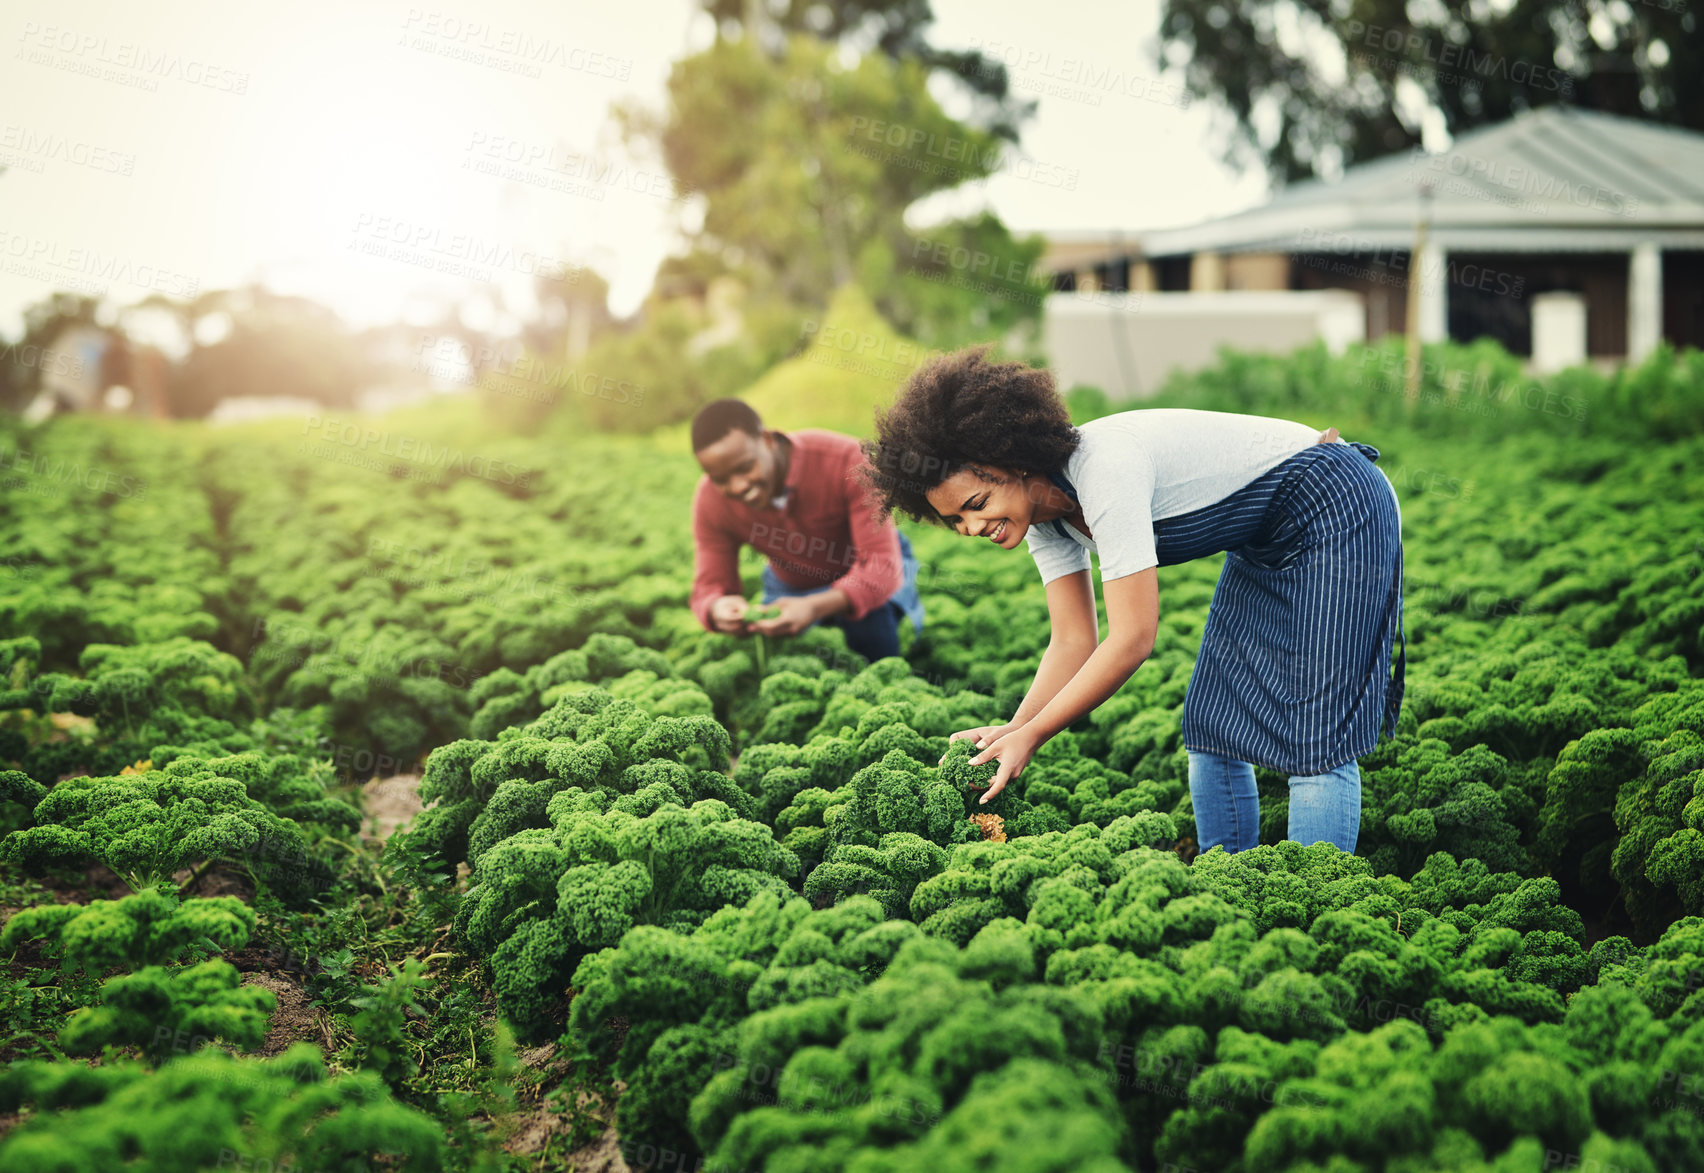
{"x":1416,"y":279}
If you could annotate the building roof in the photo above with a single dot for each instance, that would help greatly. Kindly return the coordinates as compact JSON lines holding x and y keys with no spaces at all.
{"x":1552,"y":179}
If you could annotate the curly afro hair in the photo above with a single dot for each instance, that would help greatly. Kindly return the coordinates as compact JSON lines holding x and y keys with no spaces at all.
{"x":962,"y":409}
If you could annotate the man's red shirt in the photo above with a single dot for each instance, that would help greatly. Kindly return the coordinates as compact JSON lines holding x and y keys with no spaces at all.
{"x":830,"y":535}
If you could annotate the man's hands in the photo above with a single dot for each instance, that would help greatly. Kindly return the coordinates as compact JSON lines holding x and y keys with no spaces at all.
{"x":1011,"y":745}
{"x":730,"y":614}
{"x":797,"y":613}
{"x":727,"y":614}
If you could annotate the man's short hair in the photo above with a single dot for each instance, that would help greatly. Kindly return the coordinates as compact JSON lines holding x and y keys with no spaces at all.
{"x":716,"y":419}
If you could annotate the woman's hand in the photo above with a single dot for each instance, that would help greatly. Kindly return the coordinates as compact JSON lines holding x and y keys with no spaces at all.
{"x":1012,"y":750}
{"x":980,"y":736}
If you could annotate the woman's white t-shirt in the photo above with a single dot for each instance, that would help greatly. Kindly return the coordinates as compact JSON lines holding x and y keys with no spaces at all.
{"x":1138,"y":467}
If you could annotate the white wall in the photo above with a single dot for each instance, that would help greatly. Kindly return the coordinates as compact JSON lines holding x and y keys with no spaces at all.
{"x":1127,"y":343}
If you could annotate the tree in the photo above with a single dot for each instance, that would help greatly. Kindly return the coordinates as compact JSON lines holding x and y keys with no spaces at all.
{"x":814,"y":195}
{"x":274,"y":345}
{"x":32,"y":355}
{"x":1474,"y":62}
{"x":832,"y":158}
{"x":573,"y":306}
{"x":897,"y":29}
{"x":809,"y":197}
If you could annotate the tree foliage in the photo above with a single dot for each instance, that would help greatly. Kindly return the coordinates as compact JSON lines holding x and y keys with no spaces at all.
{"x":1267,"y":61}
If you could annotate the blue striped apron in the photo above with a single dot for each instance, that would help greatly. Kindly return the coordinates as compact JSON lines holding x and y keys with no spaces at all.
{"x":1295,"y":671}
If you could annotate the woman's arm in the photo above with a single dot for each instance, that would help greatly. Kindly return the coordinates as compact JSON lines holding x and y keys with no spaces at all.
{"x":1075,"y":631}
{"x":1132,"y":611}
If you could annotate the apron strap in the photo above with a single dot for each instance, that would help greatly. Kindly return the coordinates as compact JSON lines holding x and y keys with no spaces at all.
{"x":1393,"y":697}
{"x":1060,"y":482}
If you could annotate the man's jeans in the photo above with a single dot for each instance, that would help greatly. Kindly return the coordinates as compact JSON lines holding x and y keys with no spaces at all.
{"x":1323,"y":807}
{"x":876,"y":635}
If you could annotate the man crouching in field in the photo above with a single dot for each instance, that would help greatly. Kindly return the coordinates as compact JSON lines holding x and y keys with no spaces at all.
{"x":792,"y":496}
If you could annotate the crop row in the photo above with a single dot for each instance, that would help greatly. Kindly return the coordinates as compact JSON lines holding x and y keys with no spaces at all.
{"x":756,"y":894}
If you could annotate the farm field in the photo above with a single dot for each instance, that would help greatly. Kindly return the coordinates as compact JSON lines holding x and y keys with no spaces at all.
{"x":677,"y":902}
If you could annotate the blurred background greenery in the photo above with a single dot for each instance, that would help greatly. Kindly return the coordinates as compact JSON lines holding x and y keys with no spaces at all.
{"x":801,"y":282}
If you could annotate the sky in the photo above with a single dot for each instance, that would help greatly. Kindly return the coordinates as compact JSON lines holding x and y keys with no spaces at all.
{"x":387,"y":158}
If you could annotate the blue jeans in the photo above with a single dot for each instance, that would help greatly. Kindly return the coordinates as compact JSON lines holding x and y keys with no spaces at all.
{"x":1324,"y":808}
{"x":876,"y":635}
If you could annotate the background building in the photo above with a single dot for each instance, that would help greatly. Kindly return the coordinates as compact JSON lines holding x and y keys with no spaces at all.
{"x":1566,"y":235}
